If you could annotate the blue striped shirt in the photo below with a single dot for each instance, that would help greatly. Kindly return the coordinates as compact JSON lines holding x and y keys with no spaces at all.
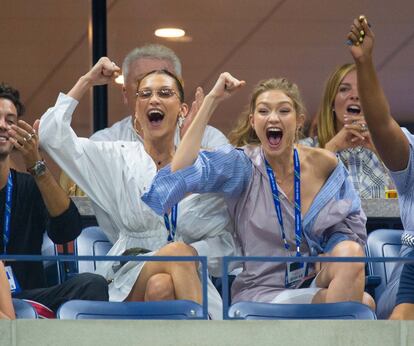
{"x":225,"y":170}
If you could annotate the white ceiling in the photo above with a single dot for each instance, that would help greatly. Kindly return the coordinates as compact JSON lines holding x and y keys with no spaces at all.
{"x":45,"y":46}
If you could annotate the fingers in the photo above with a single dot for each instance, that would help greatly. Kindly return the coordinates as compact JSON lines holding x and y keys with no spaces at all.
{"x":359,"y":30}
{"x":232,"y":83}
{"x":356,"y":122}
{"x":357,"y":135}
{"x":199,"y":95}
{"x":36,"y":126}
{"x":109,"y":68}
{"x":349,"y":119}
{"x":23,"y":136}
{"x":225,"y":86}
{"x":198,"y":100}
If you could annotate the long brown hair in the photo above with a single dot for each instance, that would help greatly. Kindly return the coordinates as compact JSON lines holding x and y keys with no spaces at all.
{"x":243,"y":133}
{"x":326,"y":115}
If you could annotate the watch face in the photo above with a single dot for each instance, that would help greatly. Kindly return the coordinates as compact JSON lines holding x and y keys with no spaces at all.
{"x":38,"y":169}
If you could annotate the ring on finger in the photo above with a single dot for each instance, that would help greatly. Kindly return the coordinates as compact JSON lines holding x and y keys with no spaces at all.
{"x":30,"y":136}
{"x":364,"y":127}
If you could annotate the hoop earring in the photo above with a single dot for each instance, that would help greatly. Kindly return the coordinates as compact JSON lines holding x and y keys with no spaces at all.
{"x":135,"y":126}
{"x":180,"y":121}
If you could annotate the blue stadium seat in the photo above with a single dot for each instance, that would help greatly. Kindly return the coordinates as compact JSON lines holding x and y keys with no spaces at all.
{"x":329,"y":311}
{"x":52,"y":269}
{"x":24,"y":310}
{"x":91,"y":242}
{"x":383,"y":243}
{"x":165,"y":310}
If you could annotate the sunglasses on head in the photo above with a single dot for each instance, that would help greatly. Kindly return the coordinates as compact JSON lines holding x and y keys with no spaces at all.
{"x":162,"y":93}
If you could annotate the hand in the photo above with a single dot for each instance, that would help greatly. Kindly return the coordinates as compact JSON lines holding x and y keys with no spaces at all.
{"x":225,"y":86}
{"x":102,"y":72}
{"x":361,"y":50}
{"x":352,"y":134}
{"x":25,"y":139}
{"x":195,"y":106}
{"x":358,"y":123}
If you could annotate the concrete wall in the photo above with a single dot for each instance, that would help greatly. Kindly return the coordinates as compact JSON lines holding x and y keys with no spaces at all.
{"x":199,"y":333}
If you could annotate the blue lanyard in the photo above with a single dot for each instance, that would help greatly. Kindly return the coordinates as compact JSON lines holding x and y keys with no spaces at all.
{"x":7,"y":212}
{"x":276,"y":200}
{"x":171,"y":227}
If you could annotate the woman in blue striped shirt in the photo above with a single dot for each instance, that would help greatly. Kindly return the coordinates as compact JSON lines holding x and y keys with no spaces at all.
{"x":395,"y":147}
{"x":286,"y":199}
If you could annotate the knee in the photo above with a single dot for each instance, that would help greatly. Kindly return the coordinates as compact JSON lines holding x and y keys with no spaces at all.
{"x":368,"y":300}
{"x":349,"y":248}
{"x":92,"y":287}
{"x":159,"y":287}
{"x":403,"y":311}
{"x":178,"y":249}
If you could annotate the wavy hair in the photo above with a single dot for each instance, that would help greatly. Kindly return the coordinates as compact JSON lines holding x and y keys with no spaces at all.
{"x":243,"y":133}
{"x":326,"y":117}
{"x":13,"y":95}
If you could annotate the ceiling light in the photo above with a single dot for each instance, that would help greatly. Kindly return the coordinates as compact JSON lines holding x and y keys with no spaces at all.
{"x":169,"y":32}
{"x":119,"y":79}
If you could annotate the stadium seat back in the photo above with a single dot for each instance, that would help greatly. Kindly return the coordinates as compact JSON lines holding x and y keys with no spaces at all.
{"x":53,"y":269}
{"x":329,"y":311}
{"x":91,"y":242}
{"x":24,"y":310}
{"x":383,"y":243}
{"x":164,"y":310}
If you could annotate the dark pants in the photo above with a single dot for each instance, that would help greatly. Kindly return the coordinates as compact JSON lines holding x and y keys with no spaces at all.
{"x":405,"y":292}
{"x":388,"y":299}
{"x":85,"y":286}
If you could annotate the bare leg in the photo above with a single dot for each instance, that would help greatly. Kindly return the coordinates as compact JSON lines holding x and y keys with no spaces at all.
{"x":344,"y":281}
{"x":6,"y":305}
{"x":368,"y":300}
{"x":159,"y":287}
{"x":404,"y":311}
{"x":184,"y":275}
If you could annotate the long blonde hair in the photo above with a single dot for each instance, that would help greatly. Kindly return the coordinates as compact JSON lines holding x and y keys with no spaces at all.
{"x":243,"y":133}
{"x":326,"y":116}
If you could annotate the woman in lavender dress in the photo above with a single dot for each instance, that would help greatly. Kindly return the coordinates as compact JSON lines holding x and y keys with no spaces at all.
{"x":286,"y":199}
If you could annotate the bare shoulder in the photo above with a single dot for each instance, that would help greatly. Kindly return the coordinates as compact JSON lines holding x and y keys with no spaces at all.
{"x":321,"y":161}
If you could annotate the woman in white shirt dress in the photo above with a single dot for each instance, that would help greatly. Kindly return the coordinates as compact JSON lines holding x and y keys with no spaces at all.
{"x":115,"y":175}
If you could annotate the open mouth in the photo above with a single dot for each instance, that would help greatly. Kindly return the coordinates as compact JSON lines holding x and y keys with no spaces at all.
{"x":274,"y":135}
{"x":155,"y":116}
{"x":3,"y":139}
{"x":353,"y":109}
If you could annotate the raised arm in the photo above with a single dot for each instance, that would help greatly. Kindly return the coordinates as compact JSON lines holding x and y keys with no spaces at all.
{"x":101,"y":73}
{"x":189,"y":147}
{"x":390,"y":141}
{"x":88,"y":163}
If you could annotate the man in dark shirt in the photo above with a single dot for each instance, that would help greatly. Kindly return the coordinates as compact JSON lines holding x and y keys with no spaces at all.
{"x":31,"y":204}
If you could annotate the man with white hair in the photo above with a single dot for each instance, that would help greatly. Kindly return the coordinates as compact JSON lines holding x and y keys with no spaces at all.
{"x":136,"y":64}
